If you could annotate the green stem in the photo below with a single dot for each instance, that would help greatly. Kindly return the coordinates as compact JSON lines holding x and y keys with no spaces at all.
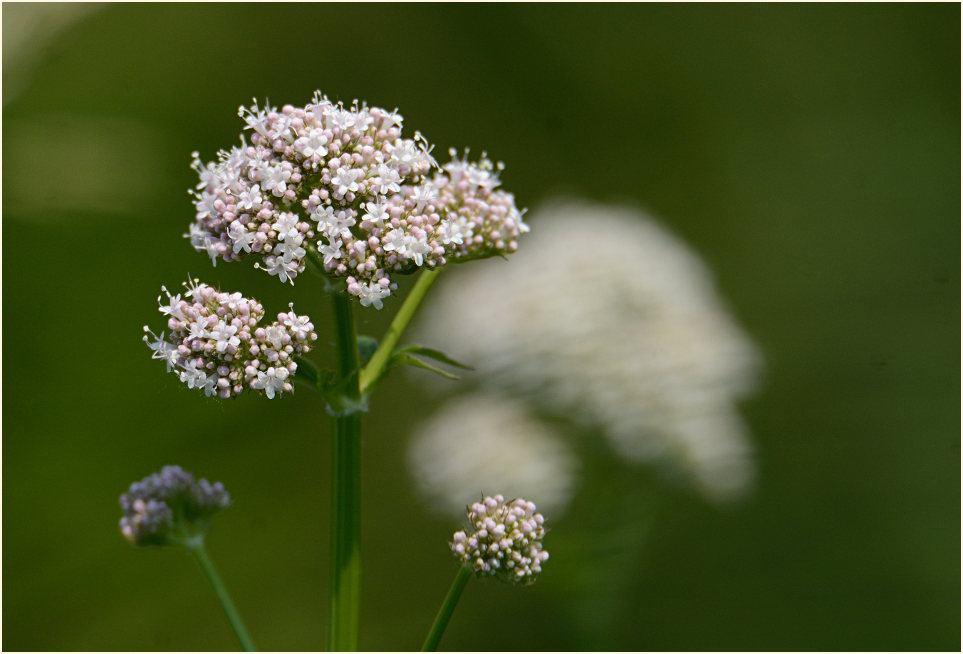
{"x":379,"y":360}
{"x":200,"y":554}
{"x":345,"y":573}
{"x":447,"y":608}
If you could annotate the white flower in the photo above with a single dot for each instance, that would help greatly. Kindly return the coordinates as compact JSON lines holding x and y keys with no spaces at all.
{"x":271,"y":382}
{"x":198,"y":236}
{"x":454,"y":231}
{"x":405,"y":154}
{"x":173,"y":306}
{"x":256,"y":118}
{"x":250,"y":198}
{"x":197,"y":330}
{"x":241,"y":237}
{"x":207,"y":175}
{"x":234,"y":300}
{"x":417,"y":248}
{"x":377,"y":213}
{"x":275,"y":336}
{"x":322,"y":215}
{"x":388,"y":180}
{"x":281,"y":127}
{"x":195,"y":378}
{"x":212,"y":249}
{"x":161,"y":349}
{"x":312,"y":144}
{"x":346,"y":179}
{"x":343,"y":120}
{"x":291,"y":248}
{"x":330,"y":251}
{"x":274,"y":178}
{"x":287,"y":223}
{"x":424,"y":194}
{"x":371,"y":294}
{"x":337,"y":224}
{"x":396,"y":241}
{"x":193,"y":287}
{"x":284,"y":268}
{"x":205,"y":205}
{"x":300,"y":326}
{"x":390,"y":119}
{"x":320,"y":107}
{"x":225,"y":335}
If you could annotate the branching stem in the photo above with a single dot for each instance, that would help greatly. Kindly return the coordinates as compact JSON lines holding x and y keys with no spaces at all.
{"x":379,"y":360}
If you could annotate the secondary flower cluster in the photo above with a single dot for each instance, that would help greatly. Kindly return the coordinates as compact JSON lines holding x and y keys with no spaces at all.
{"x":466,"y":443}
{"x":506,"y":541}
{"x":637,"y":344}
{"x":169,"y":507}
{"x":342,"y":187}
{"x":217,"y":345}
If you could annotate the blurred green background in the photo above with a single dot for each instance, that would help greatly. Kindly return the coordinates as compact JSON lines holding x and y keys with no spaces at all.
{"x":809,"y":152}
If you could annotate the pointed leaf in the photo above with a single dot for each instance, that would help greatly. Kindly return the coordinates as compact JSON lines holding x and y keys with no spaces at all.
{"x":418,"y":363}
{"x":432,"y":353}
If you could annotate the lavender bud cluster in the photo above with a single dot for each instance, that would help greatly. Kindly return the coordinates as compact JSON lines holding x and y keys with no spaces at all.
{"x":344,"y":187}
{"x":169,"y":507}
{"x":506,"y":541}
{"x":216,"y":344}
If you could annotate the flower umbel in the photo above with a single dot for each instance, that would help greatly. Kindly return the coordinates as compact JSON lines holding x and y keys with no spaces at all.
{"x":216,"y":343}
{"x":636,"y":342}
{"x":170,"y":508}
{"x":506,"y":541}
{"x":484,"y":440}
{"x":343,"y":186}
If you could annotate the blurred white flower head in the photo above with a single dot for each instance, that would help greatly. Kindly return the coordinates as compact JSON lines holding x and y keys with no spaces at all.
{"x":481,"y":443}
{"x":607,"y":319}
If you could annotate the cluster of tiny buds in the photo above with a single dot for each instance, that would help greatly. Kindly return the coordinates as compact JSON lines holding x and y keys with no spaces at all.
{"x":216,"y":343}
{"x":170,"y":508}
{"x":506,"y":541}
{"x":341,"y":187}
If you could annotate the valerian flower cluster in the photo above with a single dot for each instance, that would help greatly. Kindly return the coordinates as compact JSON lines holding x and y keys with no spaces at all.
{"x":506,"y":541}
{"x":170,"y":508}
{"x":654,"y":361}
{"x":217,"y":344}
{"x":340,"y":187}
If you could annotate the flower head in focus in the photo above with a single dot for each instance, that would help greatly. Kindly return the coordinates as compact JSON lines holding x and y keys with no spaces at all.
{"x":634,"y":342}
{"x":217,"y":344}
{"x":505,"y":540}
{"x":170,"y":508}
{"x":343,"y":188}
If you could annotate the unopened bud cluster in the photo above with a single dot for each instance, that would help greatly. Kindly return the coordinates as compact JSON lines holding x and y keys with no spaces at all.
{"x":170,"y":508}
{"x":216,"y":343}
{"x":342,"y":185}
{"x":506,"y":541}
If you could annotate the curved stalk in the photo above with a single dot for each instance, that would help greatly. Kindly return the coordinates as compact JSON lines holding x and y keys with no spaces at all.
{"x":447,"y":608}
{"x":220,"y":590}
